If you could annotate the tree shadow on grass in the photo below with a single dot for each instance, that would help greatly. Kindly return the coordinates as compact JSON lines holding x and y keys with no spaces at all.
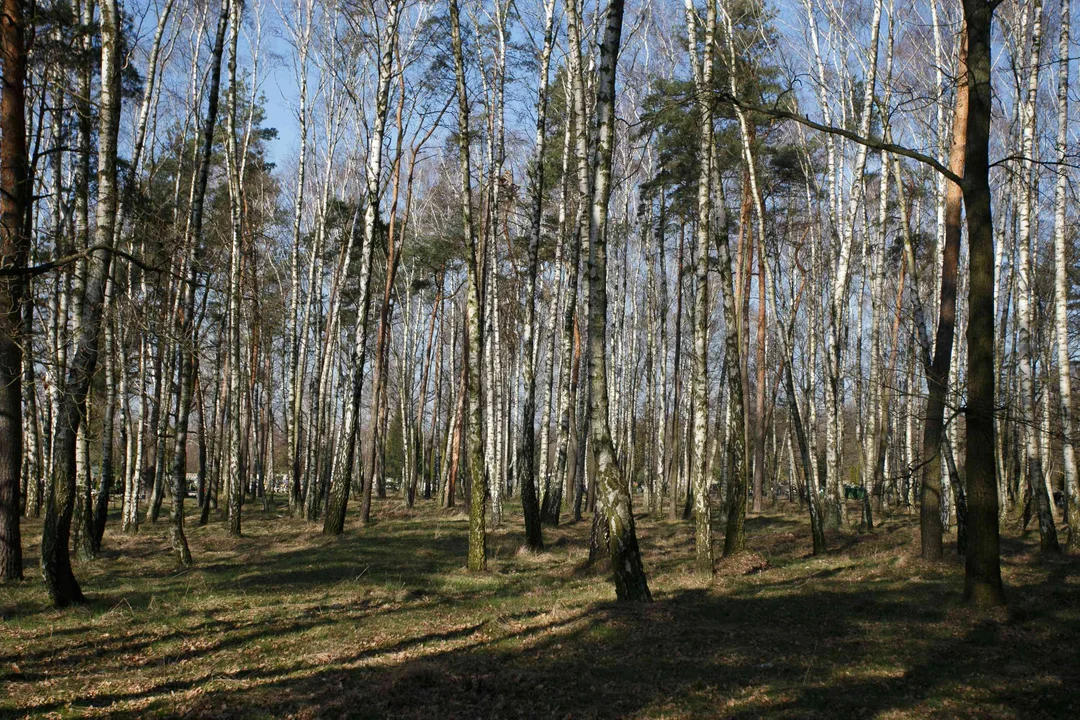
{"x":829,"y":643}
{"x":861,"y":651}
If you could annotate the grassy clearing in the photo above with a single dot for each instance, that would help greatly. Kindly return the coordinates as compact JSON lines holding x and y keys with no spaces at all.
{"x":385,"y":622}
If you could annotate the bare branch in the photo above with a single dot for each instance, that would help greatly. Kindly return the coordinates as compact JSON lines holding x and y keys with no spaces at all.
{"x":779,"y":113}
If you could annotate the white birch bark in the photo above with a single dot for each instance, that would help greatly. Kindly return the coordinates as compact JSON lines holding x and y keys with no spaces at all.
{"x":1061,"y":284}
{"x":1025,"y":238}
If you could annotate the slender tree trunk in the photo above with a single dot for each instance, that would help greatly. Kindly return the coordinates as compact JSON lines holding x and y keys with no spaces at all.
{"x":553,"y":501}
{"x":534,"y":538}
{"x":296,"y":375}
{"x":474,"y":312}
{"x":237,"y":470}
{"x":1026,"y":349}
{"x":101,"y":500}
{"x":185,"y":323}
{"x":700,"y":480}
{"x":938,"y":368}
{"x":1061,"y":286}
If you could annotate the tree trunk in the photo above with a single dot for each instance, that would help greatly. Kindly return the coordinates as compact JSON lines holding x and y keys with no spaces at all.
{"x":534,"y":538}
{"x":1025,"y":297}
{"x":475,"y":306}
{"x":982,"y":575}
{"x":612,"y":493}
{"x":334,"y":522}
{"x":55,"y":559}
{"x":703,"y":545}
{"x":15,"y":194}
{"x":576,"y":239}
{"x":1061,"y":287}
{"x":237,"y":475}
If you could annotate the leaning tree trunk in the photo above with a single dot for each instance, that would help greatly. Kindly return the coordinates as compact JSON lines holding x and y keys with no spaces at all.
{"x":55,"y":558}
{"x":185,"y":322}
{"x":939,"y":367}
{"x":334,"y":522}
{"x":612,"y":492}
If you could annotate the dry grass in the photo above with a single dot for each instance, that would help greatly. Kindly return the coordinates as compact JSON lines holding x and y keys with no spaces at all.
{"x":385,"y":622}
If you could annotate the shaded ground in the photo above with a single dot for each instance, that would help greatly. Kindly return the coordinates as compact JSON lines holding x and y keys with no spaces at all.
{"x":385,"y":622}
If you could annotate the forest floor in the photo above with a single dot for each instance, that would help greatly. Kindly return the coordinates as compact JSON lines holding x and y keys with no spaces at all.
{"x":385,"y":622}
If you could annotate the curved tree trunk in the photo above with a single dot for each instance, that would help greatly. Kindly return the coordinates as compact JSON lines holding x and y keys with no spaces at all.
{"x":612,"y":493}
{"x":55,"y":558}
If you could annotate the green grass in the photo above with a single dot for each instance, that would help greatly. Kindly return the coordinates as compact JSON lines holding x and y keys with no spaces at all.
{"x":386,"y":622}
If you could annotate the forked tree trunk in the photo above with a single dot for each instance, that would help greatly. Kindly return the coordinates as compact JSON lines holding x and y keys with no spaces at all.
{"x":55,"y":558}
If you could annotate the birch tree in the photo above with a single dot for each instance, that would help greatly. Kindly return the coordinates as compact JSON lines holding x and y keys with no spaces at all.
{"x":474,"y":313}
{"x":56,"y":569}
{"x":613,"y":497}
{"x":339,"y":494}
{"x":703,"y":80}
{"x":1061,"y":285}
{"x":529,"y":500}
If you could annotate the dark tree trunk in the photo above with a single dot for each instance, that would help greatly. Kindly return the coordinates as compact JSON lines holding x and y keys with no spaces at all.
{"x":817,"y":524}
{"x":14,"y":246}
{"x":982,"y":577}
{"x":939,"y":369}
{"x":101,"y":500}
